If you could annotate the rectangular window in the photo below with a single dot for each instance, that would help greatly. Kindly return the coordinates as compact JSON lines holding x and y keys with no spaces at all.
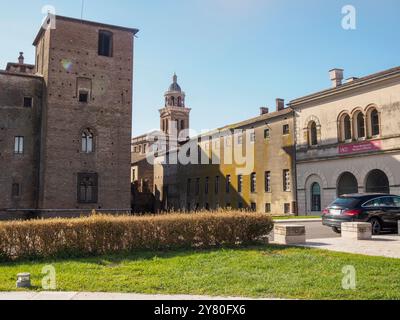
{"x":105,"y":43}
{"x":253,"y":137}
{"x":217,"y":184}
{"x":287,"y":208}
{"x":240,"y":183}
{"x":197,"y":187}
{"x":240,"y":205}
{"x":266,"y":134}
{"x":87,"y":187}
{"x":254,"y":206}
{"x":286,"y":181}
{"x":286,"y":129}
{"x":15,"y":190}
{"x":228,"y":184}
{"x":19,"y":145}
{"x":240,"y":139}
{"x":268,"y":181}
{"x":206,"y":185}
{"x":189,"y":182}
{"x":83,"y":96}
{"x":253,"y":183}
{"x":28,"y":102}
{"x":267,"y":208}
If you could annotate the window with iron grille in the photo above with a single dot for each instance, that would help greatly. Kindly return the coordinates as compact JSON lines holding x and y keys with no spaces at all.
{"x":87,"y":187}
{"x":217,"y":178}
{"x":197,"y":187}
{"x":228,"y":184}
{"x":240,"y":183}
{"x":286,"y":181}
{"x":268,"y":181}
{"x":253,"y":182}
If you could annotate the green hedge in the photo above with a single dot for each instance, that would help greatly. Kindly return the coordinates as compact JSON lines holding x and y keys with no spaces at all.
{"x":99,"y":235}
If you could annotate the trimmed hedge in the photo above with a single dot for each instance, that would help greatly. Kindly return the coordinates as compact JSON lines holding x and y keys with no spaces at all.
{"x":97,"y":235}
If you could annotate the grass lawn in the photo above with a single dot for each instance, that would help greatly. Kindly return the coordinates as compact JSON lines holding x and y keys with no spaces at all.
{"x":262,"y":271}
{"x":296,"y":217}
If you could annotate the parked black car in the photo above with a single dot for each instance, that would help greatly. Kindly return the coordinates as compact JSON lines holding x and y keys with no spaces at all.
{"x":381,"y":210}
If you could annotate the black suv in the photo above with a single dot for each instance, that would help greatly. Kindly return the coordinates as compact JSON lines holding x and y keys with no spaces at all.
{"x":381,"y":210}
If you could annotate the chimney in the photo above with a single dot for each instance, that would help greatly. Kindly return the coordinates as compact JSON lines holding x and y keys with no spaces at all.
{"x":280,"y":104}
{"x":21,"y":58}
{"x":264,"y":110}
{"x":336,"y":76}
{"x":351,"y":79}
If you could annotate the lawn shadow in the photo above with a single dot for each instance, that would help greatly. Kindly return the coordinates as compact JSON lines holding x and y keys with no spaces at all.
{"x":114,"y":259}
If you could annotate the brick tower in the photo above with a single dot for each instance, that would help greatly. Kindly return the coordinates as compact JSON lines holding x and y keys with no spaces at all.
{"x":87,"y":69}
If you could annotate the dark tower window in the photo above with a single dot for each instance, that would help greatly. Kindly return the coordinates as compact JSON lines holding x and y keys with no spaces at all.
{"x":15,"y":190}
{"x":87,"y":187}
{"x":83,"y":96}
{"x":105,"y":43}
{"x":28,"y":102}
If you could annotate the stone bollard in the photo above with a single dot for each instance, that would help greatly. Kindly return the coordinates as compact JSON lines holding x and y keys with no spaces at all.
{"x":357,"y":230}
{"x":23,"y":280}
{"x":289,"y":234}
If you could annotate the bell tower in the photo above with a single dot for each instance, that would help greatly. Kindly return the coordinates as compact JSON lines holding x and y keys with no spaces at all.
{"x":175,"y":113}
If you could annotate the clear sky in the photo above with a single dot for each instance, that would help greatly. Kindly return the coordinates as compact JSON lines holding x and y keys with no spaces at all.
{"x":231,"y":56}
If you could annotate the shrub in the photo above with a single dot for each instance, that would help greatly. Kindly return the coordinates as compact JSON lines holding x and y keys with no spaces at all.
{"x":100,"y":234}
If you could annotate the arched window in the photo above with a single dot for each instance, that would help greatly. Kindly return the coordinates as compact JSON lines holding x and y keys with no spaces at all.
{"x":347,"y":127}
{"x":315,"y":197}
{"x":360,"y":125}
{"x":179,"y":102}
{"x":375,"y":127}
{"x":183,"y":125}
{"x":87,"y":141}
{"x":172,"y":101}
{"x":312,"y":134}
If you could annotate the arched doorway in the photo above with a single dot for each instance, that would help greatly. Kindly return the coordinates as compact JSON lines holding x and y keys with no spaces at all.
{"x":347,"y":184}
{"x":316,"y":197}
{"x":377,"y":182}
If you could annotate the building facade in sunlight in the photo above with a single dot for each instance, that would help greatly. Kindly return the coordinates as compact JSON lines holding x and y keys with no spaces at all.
{"x":248,"y":165}
{"x":348,"y":139}
{"x":65,"y":122}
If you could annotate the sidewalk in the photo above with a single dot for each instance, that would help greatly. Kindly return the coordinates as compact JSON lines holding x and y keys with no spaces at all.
{"x":297,"y":220}
{"x":84,"y":296}
{"x":379,"y":246}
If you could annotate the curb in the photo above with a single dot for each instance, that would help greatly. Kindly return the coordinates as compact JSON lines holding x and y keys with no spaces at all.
{"x":297,"y":220}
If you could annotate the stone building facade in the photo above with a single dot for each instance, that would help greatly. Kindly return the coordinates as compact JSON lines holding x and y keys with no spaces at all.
{"x":348,"y":139}
{"x":74,"y":155}
{"x":248,"y":165}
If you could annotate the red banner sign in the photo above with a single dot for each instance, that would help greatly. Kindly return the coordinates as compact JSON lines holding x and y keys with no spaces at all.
{"x":360,"y":147}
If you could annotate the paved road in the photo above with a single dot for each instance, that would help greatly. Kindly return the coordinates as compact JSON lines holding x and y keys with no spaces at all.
{"x":314,"y":230}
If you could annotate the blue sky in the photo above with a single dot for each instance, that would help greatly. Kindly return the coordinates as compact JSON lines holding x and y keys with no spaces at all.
{"x":231,"y":56}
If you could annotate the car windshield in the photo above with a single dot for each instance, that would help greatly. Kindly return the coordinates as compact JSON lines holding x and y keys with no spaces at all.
{"x":345,"y":202}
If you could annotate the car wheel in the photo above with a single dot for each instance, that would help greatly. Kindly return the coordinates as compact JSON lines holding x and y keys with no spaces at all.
{"x":376,"y":226}
{"x":337,"y":230}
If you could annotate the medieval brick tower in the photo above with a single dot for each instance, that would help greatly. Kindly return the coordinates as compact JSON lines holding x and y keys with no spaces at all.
{"x":87,"y":69}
